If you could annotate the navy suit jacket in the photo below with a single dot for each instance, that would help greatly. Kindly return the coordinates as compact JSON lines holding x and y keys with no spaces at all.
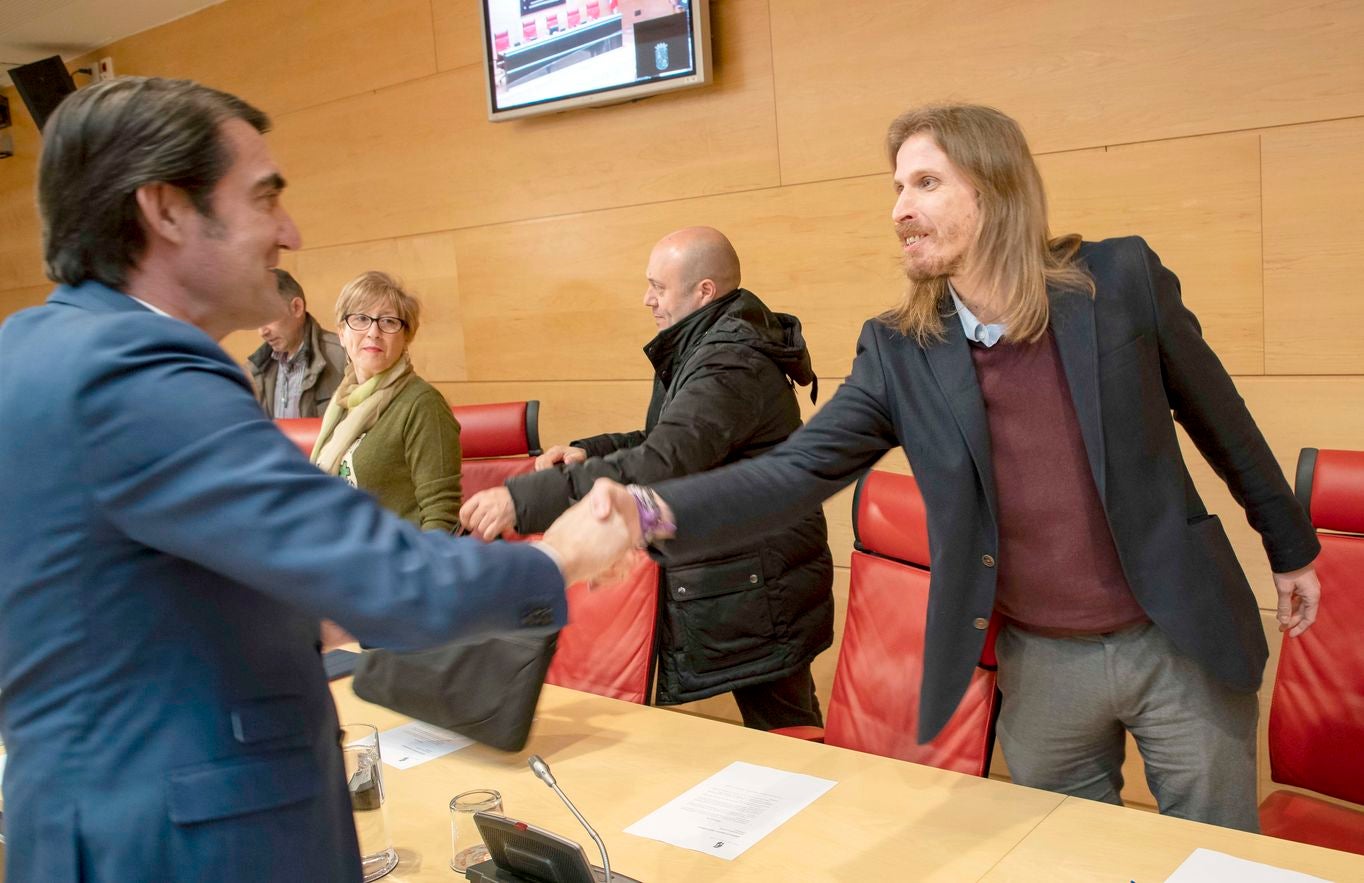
{"x":167,"y":557}
{"x":1133,"y":355}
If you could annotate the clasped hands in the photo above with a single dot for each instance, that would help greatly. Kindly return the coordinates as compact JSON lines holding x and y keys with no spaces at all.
{"x":491,"y":513}
{"x":593,"y":538}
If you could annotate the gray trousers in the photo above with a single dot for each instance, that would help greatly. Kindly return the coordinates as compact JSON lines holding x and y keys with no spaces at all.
{"x":1067,"y":701}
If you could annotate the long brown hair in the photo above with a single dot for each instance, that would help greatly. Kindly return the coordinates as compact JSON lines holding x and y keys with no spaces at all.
{"x":1015,"y":248}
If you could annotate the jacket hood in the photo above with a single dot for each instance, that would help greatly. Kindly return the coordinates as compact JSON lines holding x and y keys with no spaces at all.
{"x":739,"y":317}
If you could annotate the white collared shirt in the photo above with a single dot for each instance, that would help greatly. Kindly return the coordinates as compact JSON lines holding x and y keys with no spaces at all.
{"x":976,"y":330}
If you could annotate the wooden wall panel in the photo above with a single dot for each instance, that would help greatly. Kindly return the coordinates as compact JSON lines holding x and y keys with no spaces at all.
{"x":1076,"y":74}
{"x":458,"y":26}
{"x":21,"y":246}
{"x":421,"y":156}
{"x":1197,"y":203}
{"x":283,"y":55}
{"x":1314,"y":224}
{"x":817,"y":251}
{"x":14,"y":299}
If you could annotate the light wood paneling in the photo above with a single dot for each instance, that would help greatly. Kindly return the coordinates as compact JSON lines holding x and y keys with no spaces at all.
{"x":1197,"y":202}
{"x":1076,"y":74}
{"x":1314,"y":224}
{"x":14,"y":299}
{"x":422,"y":156}
{"x":459,"y":33}
{"x":283,"y":55}
{"x":21,"y":245}
{"x":817,"y":251}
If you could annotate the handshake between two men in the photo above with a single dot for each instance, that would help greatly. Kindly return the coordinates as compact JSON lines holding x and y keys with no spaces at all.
{"x":592,"y":537}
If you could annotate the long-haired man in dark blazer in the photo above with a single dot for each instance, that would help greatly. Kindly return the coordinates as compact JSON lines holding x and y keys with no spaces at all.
{"x":1032,"y":382}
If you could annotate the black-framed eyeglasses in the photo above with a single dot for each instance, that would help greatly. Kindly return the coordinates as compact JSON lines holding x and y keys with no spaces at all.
{"x":387,"y":324}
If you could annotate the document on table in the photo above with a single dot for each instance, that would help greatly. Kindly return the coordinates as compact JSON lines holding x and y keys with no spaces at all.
{"x":1206,"y":866}
{"x":732,"y":810}
{"x":416,"y":743}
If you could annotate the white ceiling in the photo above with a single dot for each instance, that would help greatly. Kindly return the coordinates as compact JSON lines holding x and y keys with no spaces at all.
{"x":34,"y":29}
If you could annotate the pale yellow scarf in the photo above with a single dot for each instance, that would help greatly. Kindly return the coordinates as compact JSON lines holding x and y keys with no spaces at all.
{"x":354,"y":409}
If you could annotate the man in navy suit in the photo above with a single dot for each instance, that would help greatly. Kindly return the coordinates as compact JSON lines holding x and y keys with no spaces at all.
{"x":168,"y":553}
{"x":1031,"y":383}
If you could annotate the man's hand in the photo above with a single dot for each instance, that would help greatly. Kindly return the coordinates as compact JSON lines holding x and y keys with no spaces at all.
{"x":608,"y":498}
{"x":559,"y":454}
{"x":334,"y":636}
{"x":489,"y":514}
{"x":593,"y":535}
{"x":1299,"y":600}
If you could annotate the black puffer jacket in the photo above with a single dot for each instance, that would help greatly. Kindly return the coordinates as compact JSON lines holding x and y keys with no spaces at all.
{"x":752,"y":611}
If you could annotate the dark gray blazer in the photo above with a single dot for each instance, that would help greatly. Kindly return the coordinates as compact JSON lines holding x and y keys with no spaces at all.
{"x":1132,"y":355}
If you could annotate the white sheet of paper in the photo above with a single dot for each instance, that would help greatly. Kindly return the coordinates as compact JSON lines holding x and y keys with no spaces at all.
{"x":732,"y":810}
{"x":1206,"y":866}
{"x":416,"y":743}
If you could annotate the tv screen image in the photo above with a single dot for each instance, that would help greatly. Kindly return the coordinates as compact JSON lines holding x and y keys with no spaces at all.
{"x":550,"y":55}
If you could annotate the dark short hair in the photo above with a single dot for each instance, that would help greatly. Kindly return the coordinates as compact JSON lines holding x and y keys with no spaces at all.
{"x":107,"y":140}
{"x":288,"y":285}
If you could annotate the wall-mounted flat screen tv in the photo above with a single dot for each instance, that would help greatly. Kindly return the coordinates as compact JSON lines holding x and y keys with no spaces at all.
{"x":544,"y":56}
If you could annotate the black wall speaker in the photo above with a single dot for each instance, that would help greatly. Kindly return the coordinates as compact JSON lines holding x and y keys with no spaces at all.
{"x":42,"y":84}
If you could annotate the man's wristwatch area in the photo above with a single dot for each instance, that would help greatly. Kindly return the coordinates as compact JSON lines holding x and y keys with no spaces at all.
{"x":653,"y":525}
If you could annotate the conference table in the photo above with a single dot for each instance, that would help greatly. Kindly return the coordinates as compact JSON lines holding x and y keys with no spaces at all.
{"x":884,"y":819}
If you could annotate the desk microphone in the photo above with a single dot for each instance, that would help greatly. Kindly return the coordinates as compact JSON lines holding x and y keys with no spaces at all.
{"x":541,"y":770}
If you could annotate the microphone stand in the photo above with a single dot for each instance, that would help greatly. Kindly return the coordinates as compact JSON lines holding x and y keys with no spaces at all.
{"x":541,"y":770}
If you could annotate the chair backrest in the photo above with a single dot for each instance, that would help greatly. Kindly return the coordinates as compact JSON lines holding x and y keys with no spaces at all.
{"x":528,"y":29}
{"x":1316,"y":717}
{"x":593,"y":9}
{"x":501,"y":41}
{"x":875,"y":702}
{"x":497,"y":441}
{"x":574,"y":16}
{"x":607,"y":647}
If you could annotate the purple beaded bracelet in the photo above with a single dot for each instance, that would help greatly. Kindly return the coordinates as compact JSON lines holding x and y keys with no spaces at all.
{"x":652,"y":525}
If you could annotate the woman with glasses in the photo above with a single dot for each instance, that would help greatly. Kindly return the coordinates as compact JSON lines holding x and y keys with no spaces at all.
{"x":386,"y":430}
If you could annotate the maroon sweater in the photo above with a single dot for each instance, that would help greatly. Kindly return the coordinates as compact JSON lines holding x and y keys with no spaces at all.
{"x":1058,"y":568}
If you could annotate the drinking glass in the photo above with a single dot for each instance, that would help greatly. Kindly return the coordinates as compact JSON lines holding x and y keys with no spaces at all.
{"x":466,"y":846}
{"x":365,"y":780}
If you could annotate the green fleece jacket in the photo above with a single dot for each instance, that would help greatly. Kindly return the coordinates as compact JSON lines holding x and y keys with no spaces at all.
{"x":410,"y":459}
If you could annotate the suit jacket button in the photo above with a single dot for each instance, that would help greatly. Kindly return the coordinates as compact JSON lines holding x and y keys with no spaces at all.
{"x":988,"y":560}
{"x":981,"y":623}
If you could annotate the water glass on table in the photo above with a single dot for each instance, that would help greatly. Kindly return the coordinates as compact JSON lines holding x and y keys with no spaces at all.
{"x":365,"y":781}
{"x":466,"y":845}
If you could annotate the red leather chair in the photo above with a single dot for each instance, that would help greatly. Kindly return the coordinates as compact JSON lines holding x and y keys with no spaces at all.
{"x":574,"y":18}
{"x":607,"y":647}
{"x":501,"y":41}
{"x":551,"y":22}
{"x":529,"y":29}
{"x":497,"y":441}
{"x":593,"y":9}
{"x":1316,"y":715}
{"x":875,"y":702}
